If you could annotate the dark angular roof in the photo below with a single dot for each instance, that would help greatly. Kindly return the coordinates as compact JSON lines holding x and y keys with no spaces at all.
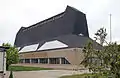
{"x":71,"y":21}
{"x":3,"y":49}
{"x":74,"y":41}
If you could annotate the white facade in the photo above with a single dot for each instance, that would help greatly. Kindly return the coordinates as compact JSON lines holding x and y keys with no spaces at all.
{"x":2,"y":62}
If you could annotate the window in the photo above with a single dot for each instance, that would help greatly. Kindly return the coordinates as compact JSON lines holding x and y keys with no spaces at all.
{"x":27,"y":60}
{"x":95,"y":60}
{"x":64,"y":61}
{"x":54,"y":60}
{"x":34,"y":60}
{"x":43,"y":60}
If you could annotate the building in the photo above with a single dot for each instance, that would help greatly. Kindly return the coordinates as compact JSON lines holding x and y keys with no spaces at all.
{"x":56,"y":40}
{"x":3,"y":60}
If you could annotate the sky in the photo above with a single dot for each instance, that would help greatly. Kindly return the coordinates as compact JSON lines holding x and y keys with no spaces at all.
{"x":17,"y":13}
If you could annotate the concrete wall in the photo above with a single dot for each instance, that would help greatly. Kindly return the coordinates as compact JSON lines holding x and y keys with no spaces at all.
{"x":73,"y":55}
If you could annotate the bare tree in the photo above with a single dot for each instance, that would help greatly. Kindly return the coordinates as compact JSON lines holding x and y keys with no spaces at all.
{"x":101,"y":35}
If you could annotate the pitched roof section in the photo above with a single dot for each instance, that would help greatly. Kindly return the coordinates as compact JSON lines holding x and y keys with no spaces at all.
{"x":71,"y":21}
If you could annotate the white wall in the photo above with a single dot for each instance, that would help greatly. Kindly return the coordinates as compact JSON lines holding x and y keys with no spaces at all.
{"x":1,"y":62}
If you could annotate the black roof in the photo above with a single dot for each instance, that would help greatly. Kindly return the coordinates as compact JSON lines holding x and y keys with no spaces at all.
{"x":73,"y":41}
{"x":3,"y":48}
{"x":71,"y":21}
{"x":69,"y":27}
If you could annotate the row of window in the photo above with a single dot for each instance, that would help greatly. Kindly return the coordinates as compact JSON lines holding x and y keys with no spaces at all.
{"x":54,"y":18}
{"x":45,"y":61}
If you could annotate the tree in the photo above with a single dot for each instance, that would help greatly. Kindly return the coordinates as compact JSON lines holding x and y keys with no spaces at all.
{"x":92,"y":58}
{"x":111,"y":59}
{"x":12,"y":56}
{"x":105,"y":61}
{"x":101,"y":35}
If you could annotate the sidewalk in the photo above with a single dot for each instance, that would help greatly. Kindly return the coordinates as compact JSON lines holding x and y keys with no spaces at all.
{"x":44,"y":73}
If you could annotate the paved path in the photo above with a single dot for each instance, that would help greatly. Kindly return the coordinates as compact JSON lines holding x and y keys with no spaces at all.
{"x":44,"y":73}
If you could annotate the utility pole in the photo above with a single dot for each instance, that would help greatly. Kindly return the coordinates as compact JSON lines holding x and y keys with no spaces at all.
{"x":110,"y":29}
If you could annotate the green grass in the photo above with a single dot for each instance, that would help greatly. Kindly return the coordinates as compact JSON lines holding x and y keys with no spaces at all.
{"x":83,"y":76}
{"x":24,"y":68}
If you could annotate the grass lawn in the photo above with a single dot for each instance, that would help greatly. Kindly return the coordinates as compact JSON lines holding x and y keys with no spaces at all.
{"x":24,"y":68}
{"x":83,"y":76}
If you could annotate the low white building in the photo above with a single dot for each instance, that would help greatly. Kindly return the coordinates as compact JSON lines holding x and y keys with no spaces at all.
{"x":3,"y":59}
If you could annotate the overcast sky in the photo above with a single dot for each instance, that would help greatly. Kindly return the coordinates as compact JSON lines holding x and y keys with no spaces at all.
{"x":17,"y":13}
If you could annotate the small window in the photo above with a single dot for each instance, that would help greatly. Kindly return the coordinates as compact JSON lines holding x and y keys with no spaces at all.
{"x":43,"y":60}
{"x":64,"y":61}
{"x":54,"y":60}
{"x":34,"y":60}
{"x":27,"y":60}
